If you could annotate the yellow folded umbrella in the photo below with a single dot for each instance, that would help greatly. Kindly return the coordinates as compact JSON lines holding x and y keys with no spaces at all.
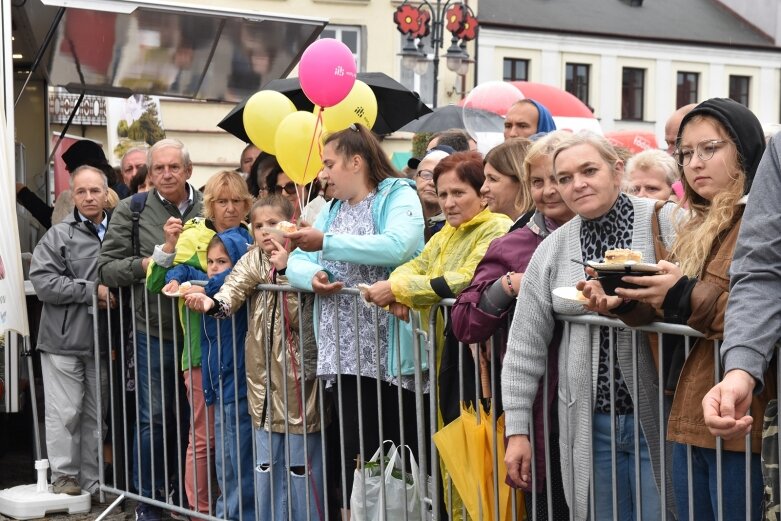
{"x":467,"y":450}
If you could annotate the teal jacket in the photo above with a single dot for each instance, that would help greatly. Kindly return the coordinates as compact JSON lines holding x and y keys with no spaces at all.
{"x":398,"y":220}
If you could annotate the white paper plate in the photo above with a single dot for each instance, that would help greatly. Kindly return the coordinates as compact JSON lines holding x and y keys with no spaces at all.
{"x":179,"y":293}
{"x":173,"y":293}
{"x":627,"y":266}
{"x":569,"y":293}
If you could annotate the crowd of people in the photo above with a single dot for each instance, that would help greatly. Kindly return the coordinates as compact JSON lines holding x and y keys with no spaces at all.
{"x":286,"y":390}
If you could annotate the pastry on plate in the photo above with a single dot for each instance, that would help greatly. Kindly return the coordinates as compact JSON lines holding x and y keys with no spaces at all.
{"x":622,"y":256}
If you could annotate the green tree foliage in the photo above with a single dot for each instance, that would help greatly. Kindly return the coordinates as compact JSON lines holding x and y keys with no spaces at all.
{"x":419,"y":142}
{"x":146,"y":129}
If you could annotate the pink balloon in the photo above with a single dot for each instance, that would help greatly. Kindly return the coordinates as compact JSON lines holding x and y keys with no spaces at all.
{"x":327,"y":72}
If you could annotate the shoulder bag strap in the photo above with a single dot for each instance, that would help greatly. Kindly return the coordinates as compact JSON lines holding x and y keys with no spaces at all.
{"x":659,"y":248}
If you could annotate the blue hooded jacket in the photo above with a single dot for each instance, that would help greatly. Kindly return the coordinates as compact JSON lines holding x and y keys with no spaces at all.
{"x":545,"y":122}
{"x":220,"y":368}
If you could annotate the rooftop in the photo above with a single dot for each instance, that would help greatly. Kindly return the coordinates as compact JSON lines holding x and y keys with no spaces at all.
{"x":706,"y":22}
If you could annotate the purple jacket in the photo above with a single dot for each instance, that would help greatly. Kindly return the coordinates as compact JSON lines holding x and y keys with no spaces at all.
{"x":470,"y":324}
{"x":511,"y":252}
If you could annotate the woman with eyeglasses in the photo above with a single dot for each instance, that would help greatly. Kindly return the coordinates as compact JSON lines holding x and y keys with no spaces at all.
{"x":279,"y":183}
{"x":373,"y":224}
{"x":598,"y":366}
{"x":226,"y":203}
{"x":720,"y":143}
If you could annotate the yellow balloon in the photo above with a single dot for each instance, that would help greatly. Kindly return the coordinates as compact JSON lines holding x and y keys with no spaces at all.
{"x":298,"y":146}
{"x":263,"y":113}
{"x":360,"y":106}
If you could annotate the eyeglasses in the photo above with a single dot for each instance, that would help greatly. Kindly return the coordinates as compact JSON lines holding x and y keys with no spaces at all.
{"x":428,"y":175}
{"x":289,"y":188}
{"x":705,"y":150}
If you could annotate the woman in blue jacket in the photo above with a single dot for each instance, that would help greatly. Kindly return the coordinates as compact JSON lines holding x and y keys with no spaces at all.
{"x":374,"y":224}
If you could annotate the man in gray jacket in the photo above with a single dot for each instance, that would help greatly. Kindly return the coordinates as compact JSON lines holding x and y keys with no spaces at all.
{"x":168,"y":205}
{"x":751,"y":323}
{"x":64,"y":273}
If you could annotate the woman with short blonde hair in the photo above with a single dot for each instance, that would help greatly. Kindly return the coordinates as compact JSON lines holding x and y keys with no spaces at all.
{"x":226,"y":184}
{"x":651,"y":173}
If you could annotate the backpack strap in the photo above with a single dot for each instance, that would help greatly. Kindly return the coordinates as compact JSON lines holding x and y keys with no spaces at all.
{"x":137,"y":205}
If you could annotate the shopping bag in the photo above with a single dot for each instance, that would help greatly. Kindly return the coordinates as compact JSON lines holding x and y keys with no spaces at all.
{"x":402,"y":490}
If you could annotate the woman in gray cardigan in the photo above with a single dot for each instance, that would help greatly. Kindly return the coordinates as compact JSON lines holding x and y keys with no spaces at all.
{"x":589,"y":175}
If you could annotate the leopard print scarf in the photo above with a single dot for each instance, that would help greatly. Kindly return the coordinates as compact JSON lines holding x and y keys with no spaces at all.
{"x":612,"y":230}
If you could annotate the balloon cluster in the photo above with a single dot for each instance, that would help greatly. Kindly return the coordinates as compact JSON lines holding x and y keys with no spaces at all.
{"x":327,"y":76}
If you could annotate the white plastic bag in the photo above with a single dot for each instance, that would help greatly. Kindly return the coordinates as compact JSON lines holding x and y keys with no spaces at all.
{"x":368,"y":483}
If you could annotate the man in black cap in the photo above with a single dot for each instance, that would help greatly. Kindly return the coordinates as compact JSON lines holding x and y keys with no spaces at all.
{"x":86,"y":152}
{"x":83,"y":152}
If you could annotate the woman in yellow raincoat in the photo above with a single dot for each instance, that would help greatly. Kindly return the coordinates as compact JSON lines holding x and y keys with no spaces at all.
{"x":447,"y":263}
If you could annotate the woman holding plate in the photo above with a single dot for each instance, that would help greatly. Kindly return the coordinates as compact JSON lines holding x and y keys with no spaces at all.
{"x":592,"y":391}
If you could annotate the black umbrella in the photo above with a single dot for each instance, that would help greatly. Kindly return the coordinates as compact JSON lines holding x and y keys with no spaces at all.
{"x":396,"y":105}
{"x":452,"y":116}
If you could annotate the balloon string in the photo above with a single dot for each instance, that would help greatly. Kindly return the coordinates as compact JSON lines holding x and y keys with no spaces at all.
{"x":315,"y":135}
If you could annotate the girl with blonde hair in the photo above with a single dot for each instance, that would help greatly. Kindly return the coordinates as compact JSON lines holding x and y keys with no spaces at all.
{"x":720,"y":143}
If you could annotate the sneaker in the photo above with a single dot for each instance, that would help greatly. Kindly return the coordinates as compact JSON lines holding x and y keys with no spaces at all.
{"x":66,"y":485}
{"x":173,"y":499}
{"x":178,"y":516}
{"x":146,"y":512}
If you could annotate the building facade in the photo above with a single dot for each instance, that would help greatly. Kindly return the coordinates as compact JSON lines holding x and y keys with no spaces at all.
{"x":634,"y":62}
{"x":365,"y":26}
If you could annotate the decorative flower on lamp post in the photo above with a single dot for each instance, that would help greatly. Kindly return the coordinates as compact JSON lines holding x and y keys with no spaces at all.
{"x":418,"y":21}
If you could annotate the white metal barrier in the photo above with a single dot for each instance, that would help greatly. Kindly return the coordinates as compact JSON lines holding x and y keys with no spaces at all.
{"x":155,"y":471}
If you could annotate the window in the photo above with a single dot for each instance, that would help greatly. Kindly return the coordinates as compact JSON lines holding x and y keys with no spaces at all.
{"x":516,"y":69}
{"x":350,"y":36}
{"x":738,"y":88}
{"x":632,"y":93}
{"x":577,"y":80}
{"x":423,"y":84}
{"x":688,"y":84}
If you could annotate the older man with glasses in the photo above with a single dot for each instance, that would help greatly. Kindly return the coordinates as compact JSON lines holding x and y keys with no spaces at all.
{"x":427,"y":192}
{"x":126,"y":253}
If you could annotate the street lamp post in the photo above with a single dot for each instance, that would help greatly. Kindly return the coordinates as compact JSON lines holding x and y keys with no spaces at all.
{"x":418,"y":21}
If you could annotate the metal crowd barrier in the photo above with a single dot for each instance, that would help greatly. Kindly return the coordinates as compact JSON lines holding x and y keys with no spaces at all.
{"x":437,"y":499}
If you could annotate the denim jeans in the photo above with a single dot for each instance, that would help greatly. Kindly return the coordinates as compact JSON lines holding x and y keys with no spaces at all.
{"x":272,"y":474}
{"x":625,"y":471}
{"x":704,"y":485}
{"x":233,"y":458}
{"x":156,"y":407}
